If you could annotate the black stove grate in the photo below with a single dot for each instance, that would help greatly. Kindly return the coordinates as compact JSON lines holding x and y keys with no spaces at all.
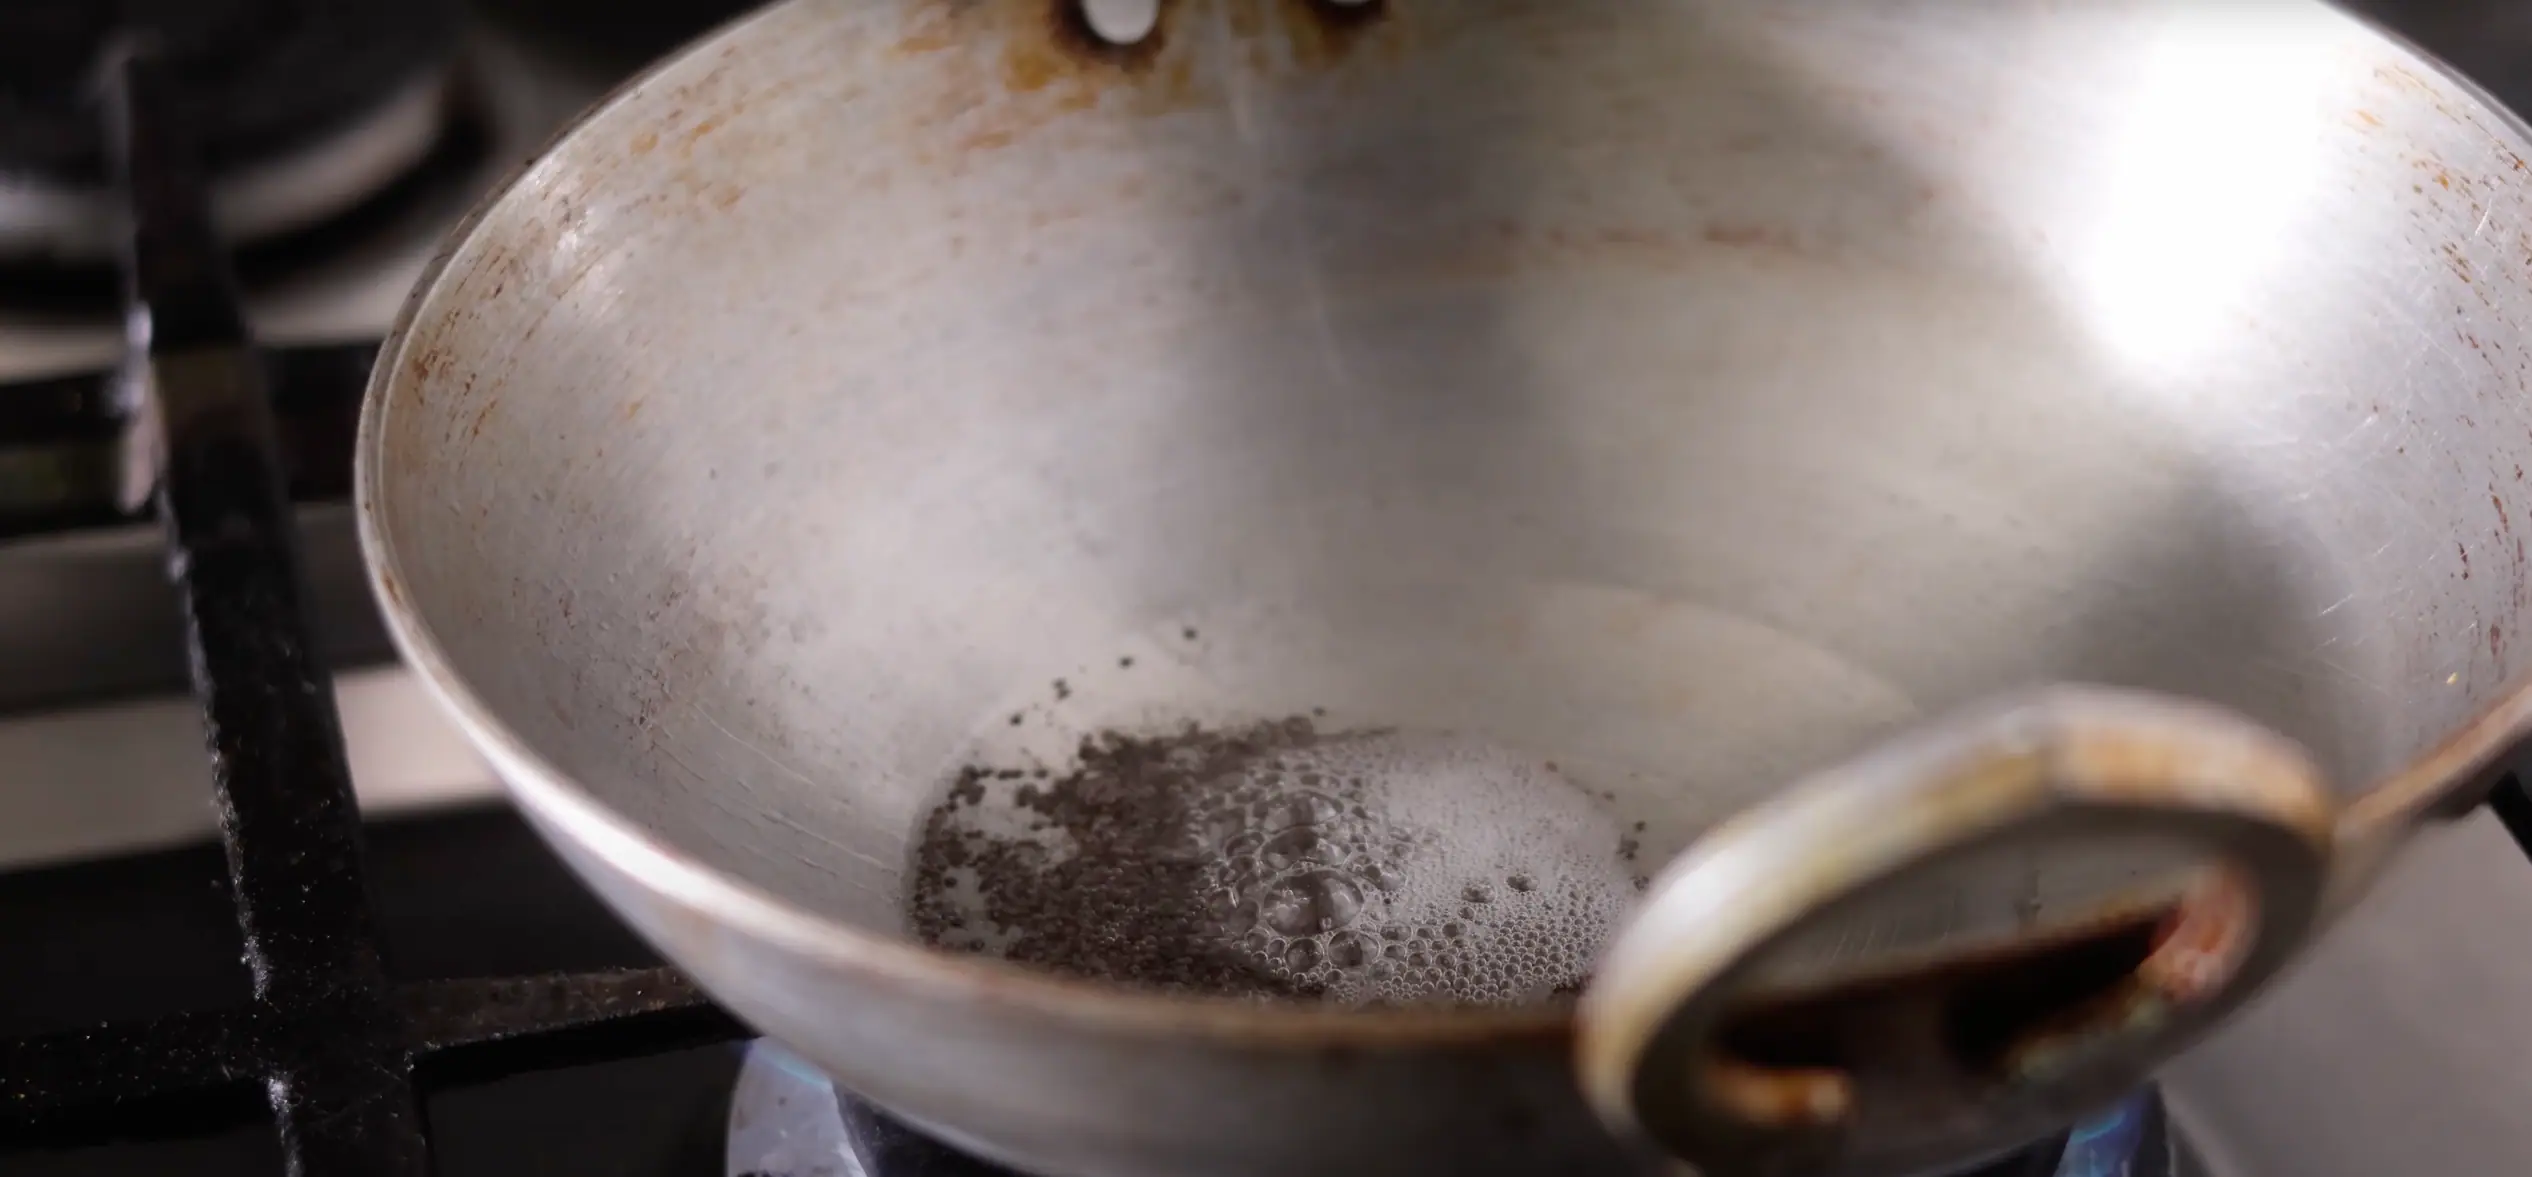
{"x":272,"y":75}
{"x":333,"y":1046}
{"x":61,"y":439}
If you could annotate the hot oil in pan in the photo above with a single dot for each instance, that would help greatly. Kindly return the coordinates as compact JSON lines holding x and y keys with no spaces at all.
{"x":1275,"y":860}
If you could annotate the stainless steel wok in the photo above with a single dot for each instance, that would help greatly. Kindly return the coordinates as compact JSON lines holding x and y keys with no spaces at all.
{"x":1761,"y":407}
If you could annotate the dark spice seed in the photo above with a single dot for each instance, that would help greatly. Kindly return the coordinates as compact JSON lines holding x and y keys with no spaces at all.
{"x":1119,"y":908}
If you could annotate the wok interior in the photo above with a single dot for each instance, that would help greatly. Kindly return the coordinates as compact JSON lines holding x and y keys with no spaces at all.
{"x":1688,"y":394}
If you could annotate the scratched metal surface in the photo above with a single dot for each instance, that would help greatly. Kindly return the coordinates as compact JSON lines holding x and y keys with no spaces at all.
{"x":2404,"y":1045}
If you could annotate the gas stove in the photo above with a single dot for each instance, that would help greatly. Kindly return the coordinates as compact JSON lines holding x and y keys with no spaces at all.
{"x":235,"y":972}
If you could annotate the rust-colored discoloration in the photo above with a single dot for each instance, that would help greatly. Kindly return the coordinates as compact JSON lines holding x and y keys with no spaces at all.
{"x":926,"y":39}
{"x":633,"y":408}
{"x":2198,"y":947}
{"x":1962,"y":1023}
{"x":644,"y":143}
{"x":986,"y":140}
{"x":475,"y":427}
{"x":2033,"y":1005}
{"x":2460,"y":264}
{"x":1068,"y":31}
{"x":999,"y":71}
{"x":1515,"y":247}
{"x":2519,"y":586}
{"x":1322,"y":32}
{"x":2369,"y":118}
{"x":2205,"y":940}
{"x":1788,"y":1097}
{"x":1029,"y":69}
{"x":2403,"y":77}
{"x":1753,"y":236}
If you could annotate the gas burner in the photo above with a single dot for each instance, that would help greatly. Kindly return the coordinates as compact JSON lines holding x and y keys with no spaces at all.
{"x":786,"y":1118}
{"x":305,"y":109}
{"x":419,"y":158}
{"x":54,"y":221}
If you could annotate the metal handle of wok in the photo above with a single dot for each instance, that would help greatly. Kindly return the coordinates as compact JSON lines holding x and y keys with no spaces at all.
{"x":1708,"y":1029}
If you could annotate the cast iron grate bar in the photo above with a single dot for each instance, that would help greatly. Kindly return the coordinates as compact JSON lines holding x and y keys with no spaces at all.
{"x":340,"y":1076}
{"x":61,"y":439}
{"x":332,"y":1044}
{"x":193,"y":1073}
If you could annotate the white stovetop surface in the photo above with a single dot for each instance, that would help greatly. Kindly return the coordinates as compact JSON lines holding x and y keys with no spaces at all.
{"x":2401,"y":1048}
{"x":100,"y":780}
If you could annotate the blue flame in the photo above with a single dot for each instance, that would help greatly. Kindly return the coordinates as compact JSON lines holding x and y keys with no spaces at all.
{"x":2106,"y":1145}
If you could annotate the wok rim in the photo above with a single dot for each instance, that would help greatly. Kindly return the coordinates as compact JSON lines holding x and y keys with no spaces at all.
{"x":674,"y":876}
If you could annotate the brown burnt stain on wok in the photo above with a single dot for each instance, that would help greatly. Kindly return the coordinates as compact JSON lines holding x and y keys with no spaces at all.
{"x":1069,"y":32}
{"x":1813,"y":1056}
{"x":1916,"y":1034}
{"x":993,"y":72}
{"x":1005,"y":69}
